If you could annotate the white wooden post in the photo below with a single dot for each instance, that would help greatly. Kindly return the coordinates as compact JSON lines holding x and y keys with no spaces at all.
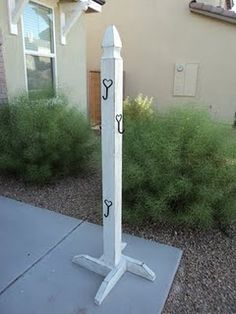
{"x":111,"y":108}
{"x":112,"y":264}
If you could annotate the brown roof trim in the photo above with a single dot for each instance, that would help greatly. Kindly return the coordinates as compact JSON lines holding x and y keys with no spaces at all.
{"x":101,"y":2}
{"x":212,"y":11}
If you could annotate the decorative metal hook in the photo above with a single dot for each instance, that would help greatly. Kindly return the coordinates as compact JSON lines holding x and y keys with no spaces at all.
{"x":107,"y":84}
{"x":108,"y":205}
{"x":119,"y":118}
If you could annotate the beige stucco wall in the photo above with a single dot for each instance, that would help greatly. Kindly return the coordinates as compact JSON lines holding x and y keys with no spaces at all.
{"x":71,"y":63}
{"x":70,"y":59}
{"x":12,"y":54}
{"x":214,"y":2}
{"x":3,"y":85}
{"x":156,"y":35}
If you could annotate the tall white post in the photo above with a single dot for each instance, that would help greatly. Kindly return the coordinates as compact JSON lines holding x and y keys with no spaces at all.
{"x":111,"y":110}
{"x":112,"y":264}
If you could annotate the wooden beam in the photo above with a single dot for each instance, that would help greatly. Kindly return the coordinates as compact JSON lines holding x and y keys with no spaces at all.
{"x":71,"y":12}
{"x":68,"y":19}
{"x":79,"y":8}
{"x":15,"y":10}
{"x":94,"y":7}
{"x":19,"y":8}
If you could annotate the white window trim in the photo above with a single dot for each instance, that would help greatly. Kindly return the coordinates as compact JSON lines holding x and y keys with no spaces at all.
{"x":53,"y":55}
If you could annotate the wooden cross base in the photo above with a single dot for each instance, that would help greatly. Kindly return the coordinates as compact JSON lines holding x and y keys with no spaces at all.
{"x":113,"y":274}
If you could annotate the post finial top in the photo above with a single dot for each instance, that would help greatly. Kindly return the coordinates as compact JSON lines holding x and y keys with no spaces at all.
{"x":111,"y":38}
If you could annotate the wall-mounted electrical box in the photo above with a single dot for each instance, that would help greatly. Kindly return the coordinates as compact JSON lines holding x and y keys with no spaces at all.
{"x":185,"y":81}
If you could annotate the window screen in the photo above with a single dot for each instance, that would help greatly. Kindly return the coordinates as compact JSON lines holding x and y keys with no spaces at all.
{"x":39,"y":49}
{"x":38,"y":28}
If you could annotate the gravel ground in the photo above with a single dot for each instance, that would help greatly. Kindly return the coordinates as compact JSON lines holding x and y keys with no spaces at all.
{"x":206,"y":279}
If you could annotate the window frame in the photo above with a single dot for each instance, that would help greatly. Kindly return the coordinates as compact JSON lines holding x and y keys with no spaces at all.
{"x":52,"y":56}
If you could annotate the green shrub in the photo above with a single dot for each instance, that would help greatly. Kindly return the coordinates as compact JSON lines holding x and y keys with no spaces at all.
{"x":179,"y":167}
{"x":44,"y":138}
{"x":137,"y":108}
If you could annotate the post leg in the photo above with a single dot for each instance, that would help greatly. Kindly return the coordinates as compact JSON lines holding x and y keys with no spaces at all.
{"x":92,"y":264}
{"x":110,"y":281}
{"x":139,"y":268}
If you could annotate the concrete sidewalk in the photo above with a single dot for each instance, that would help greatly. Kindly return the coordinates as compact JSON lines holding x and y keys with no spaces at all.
{"x":38,"y":277}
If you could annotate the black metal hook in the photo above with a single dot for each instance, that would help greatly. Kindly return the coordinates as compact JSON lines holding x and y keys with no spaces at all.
{"x":119,"y":118}
{"x":108,"y":205}
{"x":107,"y":84}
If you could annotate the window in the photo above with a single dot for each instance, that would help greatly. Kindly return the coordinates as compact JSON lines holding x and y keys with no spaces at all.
{"x":39,"y":49}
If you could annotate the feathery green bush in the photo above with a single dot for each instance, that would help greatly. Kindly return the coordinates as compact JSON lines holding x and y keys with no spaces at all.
{"x":138,"y":107}
{"x":42,"y":139}
{"x":179,"y":167}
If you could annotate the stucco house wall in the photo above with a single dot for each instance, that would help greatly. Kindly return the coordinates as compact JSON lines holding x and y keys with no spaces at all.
{"x":214,"y":2}
{"x":158,"y":34}
{"x":3,"y":86}
{"x":70,"y":58}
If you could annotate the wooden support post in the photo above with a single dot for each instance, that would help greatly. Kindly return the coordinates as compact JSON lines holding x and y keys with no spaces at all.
{"x":112,"y":264}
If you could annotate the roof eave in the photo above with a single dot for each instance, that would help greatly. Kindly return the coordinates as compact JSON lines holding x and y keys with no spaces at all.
{"x":101,"y":2}
{"x":213,"y":12}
